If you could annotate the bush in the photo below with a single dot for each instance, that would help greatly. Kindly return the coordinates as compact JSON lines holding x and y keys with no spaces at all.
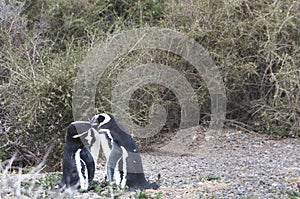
{"x":42,"y":44}
{"x":254,"y":43}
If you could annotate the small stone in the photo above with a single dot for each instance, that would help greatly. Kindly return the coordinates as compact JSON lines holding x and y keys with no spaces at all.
{"x":276,"y":185}
{"x":261,"y":182}
{"x":241,"y":191}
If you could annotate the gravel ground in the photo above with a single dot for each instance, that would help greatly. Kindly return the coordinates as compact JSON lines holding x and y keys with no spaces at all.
{"x":236,"y":165}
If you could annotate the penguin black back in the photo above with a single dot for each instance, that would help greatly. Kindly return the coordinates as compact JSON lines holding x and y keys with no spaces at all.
{"x":129,"y":162}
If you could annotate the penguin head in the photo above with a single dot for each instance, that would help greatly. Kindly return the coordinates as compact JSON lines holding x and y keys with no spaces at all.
{"x":101,"y":120}
{"x":76,"y":130}
{"x":107,"y":121}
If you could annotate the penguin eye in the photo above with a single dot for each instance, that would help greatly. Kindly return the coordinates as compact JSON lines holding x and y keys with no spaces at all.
{"x":101,"y":118}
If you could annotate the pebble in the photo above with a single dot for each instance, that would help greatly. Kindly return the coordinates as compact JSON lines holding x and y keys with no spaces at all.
{"x":232,"y":166}
{"x":226,"y":170}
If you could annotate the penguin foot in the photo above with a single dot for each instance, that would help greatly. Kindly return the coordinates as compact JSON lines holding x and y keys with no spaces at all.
{"x":59,"y":187}
{"x":154,"y":185}
{"x":148,"y":185}
{"x":91,"y":187}
{"x":62,"y":187}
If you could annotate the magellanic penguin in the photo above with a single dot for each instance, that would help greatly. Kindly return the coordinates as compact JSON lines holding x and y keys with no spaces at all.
{"x":124,"y":163}
{"x":78,"y":163}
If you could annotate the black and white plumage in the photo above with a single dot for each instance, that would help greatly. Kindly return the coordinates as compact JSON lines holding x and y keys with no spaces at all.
{"x":124,"y":163}
{"x":78,"y":163}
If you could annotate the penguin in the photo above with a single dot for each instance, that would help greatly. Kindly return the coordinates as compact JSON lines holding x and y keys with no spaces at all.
{"x":78,"y":163}
{"x":124,"y":163}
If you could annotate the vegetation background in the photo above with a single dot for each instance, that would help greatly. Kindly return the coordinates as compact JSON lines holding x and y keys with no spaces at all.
{"x":256,"y":45}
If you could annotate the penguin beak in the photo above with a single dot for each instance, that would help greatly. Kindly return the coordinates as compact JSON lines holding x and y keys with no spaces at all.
{"x":94,"y":122}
